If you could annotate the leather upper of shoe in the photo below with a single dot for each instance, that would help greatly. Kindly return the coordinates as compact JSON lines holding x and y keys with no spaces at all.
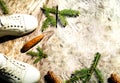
{"x":17,"y":72}
{"x":17,"y":24}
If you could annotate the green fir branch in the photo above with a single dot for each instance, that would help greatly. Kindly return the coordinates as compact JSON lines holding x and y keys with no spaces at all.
{"x":78,"y":74}
{"x":85,"y":74}
{"x":39,"y":54}
{"x":69,"y":12}
{"x":93,"y":67}
{"x":37,"y":60}
{"x":32,"y":53}
{"x":49,"y":10}
{"x":4,"y":7}
{"x":45,"y":24}
{"x":81,"y":72}
{"x":60,"y":15}
{"x":50,"y":20}
{"x":65,"y":12}
{"x":62,"y":20}
{"x":40,"y":51}
{"x":99,"y":76}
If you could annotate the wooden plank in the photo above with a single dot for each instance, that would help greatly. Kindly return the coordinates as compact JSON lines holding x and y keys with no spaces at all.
{"x":96,"y":29}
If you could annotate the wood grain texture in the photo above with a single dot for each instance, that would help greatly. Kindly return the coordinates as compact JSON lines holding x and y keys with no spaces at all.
{"x":71,"y":48}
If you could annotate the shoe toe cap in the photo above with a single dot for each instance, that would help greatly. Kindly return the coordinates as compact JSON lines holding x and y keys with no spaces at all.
{"x":32,"y":75}
{"x":31,"y":23}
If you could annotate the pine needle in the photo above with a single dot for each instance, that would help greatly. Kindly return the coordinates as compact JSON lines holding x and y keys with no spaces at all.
{"x":78,"y":74}
{"x":39,"y":54}
{"x":45,"y":24}
{"x":99,"y":76}
{"x":32,"y":53}
{"x":69,"y":12}
{"x":37,"y":60}
{"x":93,"y":67}
{"x":62,"y":20}
{"x":60,"y":15}
{"x":49,"y":10}
{"x":85,"y":74}
{"x":40,"y":51}
{"x":65,"y":12}
{"x":50,"y":20}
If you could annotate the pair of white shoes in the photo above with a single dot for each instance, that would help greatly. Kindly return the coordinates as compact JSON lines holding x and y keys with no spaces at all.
{"x":12,"y":70}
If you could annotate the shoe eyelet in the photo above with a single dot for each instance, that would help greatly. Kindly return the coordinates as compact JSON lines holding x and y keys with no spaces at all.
{"x":11,"y":25}
{"x":21,"y":65}
{"x":18,"y":78}
{"x":18,"y":26}
{"x":8,"y":74}
{"x":11,"y":75}
{"x":4,"y":27}
{"x":21,"y":26}
{"x":14,"y":25}
{"x":15,"y":76}
{"x":17,"y":63}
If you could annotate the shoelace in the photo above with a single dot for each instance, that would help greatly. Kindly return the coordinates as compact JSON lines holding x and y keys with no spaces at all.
{"x":13,"y":70}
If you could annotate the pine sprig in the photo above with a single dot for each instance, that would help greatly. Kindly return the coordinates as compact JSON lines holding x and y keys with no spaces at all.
{"x":39,"y":54}
{"x":40,"y":51}
{"x":60,"y":16}
{"x":32,"y":53}
{"x":93,"y":66}
{"x":99,"y":75}
{"x":65,"y":12}
{"x":45,"y":24}
{"x":49,"y":10}
{"x":69,"y":12}
{"x":78,"y":74}
{"x":85,"y":74}
{"x":50,"y":20}
{"x":37,"y":60}
{"x":62,"y":20}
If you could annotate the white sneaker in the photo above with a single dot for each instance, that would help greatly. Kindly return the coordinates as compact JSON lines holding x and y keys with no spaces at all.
{"x":17,"y":24}
{"x":15,"y":71}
